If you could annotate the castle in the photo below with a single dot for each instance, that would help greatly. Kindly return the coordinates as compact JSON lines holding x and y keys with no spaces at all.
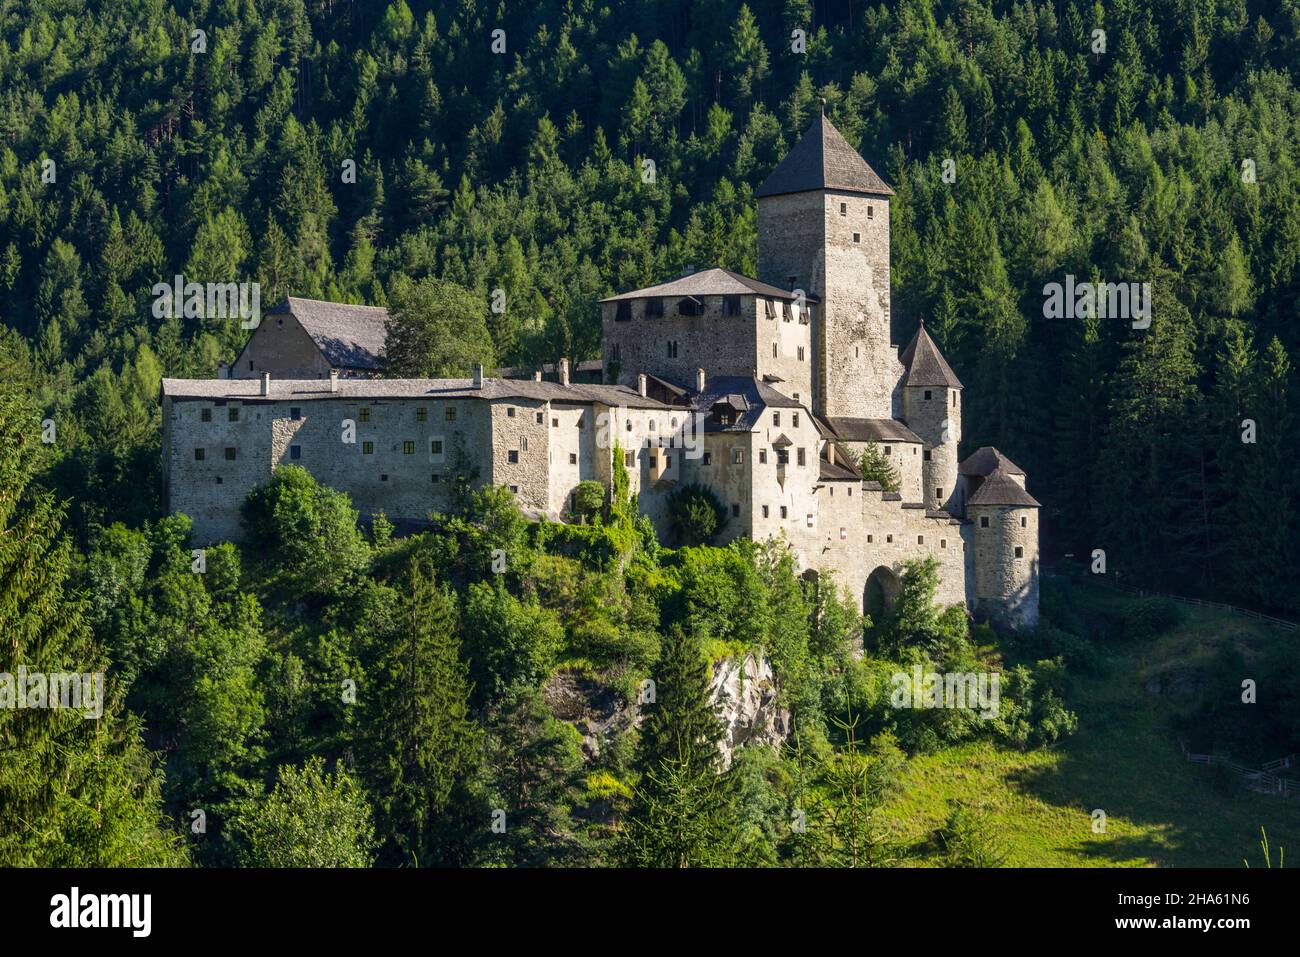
{"x":765,"y":390}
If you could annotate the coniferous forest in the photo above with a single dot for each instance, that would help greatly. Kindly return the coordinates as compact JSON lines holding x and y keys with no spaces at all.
{"x":331,"y":693}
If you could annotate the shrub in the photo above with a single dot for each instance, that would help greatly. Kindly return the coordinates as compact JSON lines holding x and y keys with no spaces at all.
{"x":696,"y":513}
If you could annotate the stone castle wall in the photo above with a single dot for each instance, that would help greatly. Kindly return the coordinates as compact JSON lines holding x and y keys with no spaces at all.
{"x":1005,"y":587}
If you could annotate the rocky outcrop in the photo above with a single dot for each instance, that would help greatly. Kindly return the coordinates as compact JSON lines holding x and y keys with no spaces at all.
{"x":745,"y":692}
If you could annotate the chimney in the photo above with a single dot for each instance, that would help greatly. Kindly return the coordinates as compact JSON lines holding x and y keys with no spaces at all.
{"x":478,"y":375}
{"x":223,"y":371}
{"x":699,"y":380}
{"x":564,"y":372}
{"x":640,"y":384}
{"x":334,"y":380}
{"x":266,"y":383}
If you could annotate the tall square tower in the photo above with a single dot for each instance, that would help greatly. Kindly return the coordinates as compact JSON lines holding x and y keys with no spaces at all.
{"x":823,"y":227}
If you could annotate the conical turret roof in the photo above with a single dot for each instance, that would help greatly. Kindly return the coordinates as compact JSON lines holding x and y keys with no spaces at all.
{"x":925,"y":363}
{"x":823,"y":159}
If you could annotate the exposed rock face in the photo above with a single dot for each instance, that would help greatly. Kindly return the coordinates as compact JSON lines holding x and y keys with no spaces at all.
{"x":593,"y":708}
{"x":745,"y":693}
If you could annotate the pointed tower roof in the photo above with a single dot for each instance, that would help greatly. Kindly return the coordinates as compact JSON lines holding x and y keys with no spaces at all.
{"x":1000,"y":489}
{"x":925,"y":363}
{"x":823,"y":159}
{"x":987,"y":459}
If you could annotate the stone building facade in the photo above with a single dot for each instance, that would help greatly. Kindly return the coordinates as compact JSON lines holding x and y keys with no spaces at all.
{"x":766,"y":390}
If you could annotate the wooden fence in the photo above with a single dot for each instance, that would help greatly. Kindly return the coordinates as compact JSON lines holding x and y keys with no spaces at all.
{"x":1264,"y":781}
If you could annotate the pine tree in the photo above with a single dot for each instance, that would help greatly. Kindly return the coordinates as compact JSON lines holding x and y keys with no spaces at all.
{"x":74,"y":791}
{"x":678,"y":816}
{"x":423,"y":758}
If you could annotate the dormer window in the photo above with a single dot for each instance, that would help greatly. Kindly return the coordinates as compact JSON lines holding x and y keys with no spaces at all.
{"x":690,"y":306}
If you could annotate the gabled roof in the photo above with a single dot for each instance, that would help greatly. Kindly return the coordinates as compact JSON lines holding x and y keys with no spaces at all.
{"x":749,"y":396}
{"x":925,"y":364}
{"x":1001,"y":489}
{"x":348,"y":336}
{"x":871,"y":430}
{"x":250,"y":390}
{"x":823,"y":159}
{"x":710,"y":282}
{"x":987,"y":459}
{"x":834,"y":472}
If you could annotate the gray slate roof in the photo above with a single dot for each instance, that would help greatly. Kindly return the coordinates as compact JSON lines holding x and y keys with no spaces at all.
{"x":823,"y":159}
{"x":987,"y":459}
{"x":926,"y":364}
{"x":833,"y":471}
{"x":710,"y":282}
{"x":745,"y":393}
{"x":1001,"y":489}
{"x":350,"y":337}
{"x":872,"y":430}
{"x":250,"y":390}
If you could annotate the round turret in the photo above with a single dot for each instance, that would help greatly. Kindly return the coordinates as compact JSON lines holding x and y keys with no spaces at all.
{"x":1005,"y":564}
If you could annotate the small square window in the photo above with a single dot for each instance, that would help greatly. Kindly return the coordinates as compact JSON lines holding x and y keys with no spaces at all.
{"x":857,"y":237}
{"x":889,"y":450}
{"x":383,"y":478}
{"x":230,"y":455}
{"x":844,"y":209}
{"x":514,"y":489}
{"x":844,"y":534}
{"x":731,"y":305}
{"x":295,"y":413}
{"x":205,"y":415}
{"x":573,"y":458}
{"x":555,"y":423}
{"x":513,"y":456}
{"x":920,"y":539}
{"x":219,"y":480}
{"x":938,"y":493}
{"x":943,"y":543}
{"x":811,"y":520}
{"x":433,"y":477}
{"x":233,"y":413}
{"x":1020,"y":551}
{"x":889,"y":539}
{"x":735,"y":510}
{"x":295,"y":452}
{"x":783,"y":511}
{"x":367,"y":448}
{"x":926,"y":455}
{"x":408,"y":448}
{"x":765,"y":511}
{"x":421,"y":414}
{"x":199,"y":454}
{"x":451,"y":413}
{"x":364,"y":415}
{"x":870,"y":539}
{"x":800,"y":457}
{"x":762,"y":456}
{"x":510,"y":412}
{"x":871,"y":212}
{"x":629,"y":459}
{"x":737,"y":457}
{"x":984,"y":521}
{"x":708,"y":457}
{"x":794,"y":419}
{"x":541,"y":418}
{"x":435,"y":446}
{"x":928,"y":395}
{"x":1024,"y":522}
